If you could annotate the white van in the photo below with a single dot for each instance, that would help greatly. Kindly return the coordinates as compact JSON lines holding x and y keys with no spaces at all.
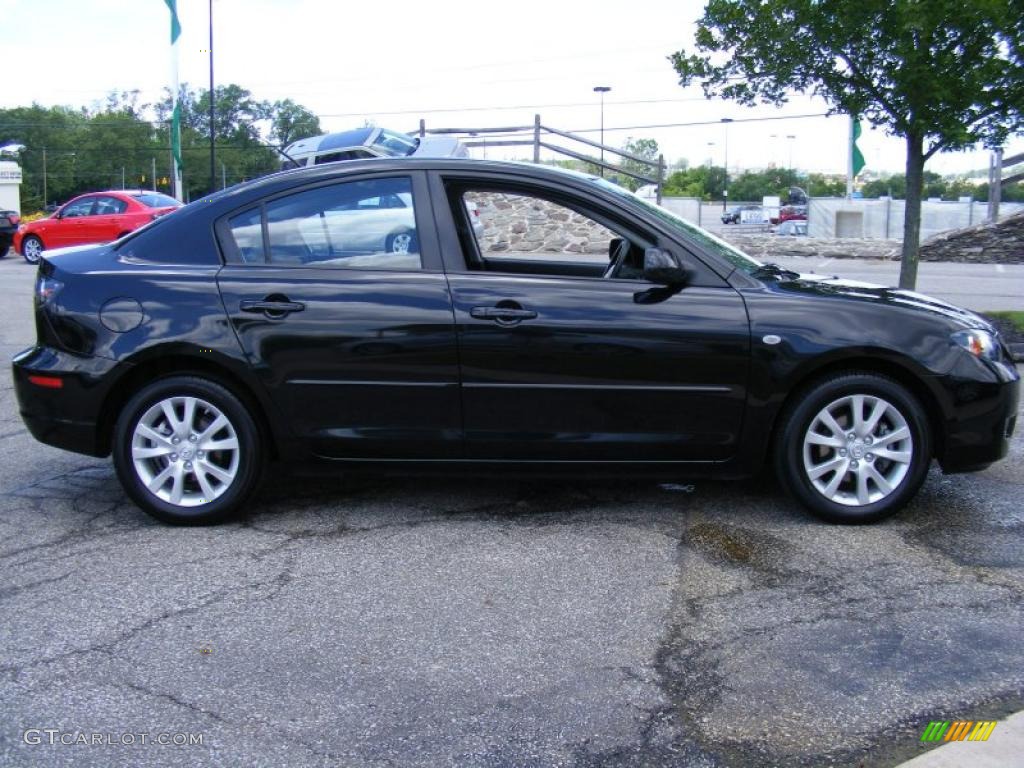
{"x":367,"y":142}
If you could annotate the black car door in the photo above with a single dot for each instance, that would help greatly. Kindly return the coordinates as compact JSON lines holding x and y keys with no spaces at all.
{"x":560,"y":362}
{"x":347,"y":319}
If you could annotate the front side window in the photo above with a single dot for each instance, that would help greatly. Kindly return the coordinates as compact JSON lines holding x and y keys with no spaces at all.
{"x":78,"y":208}
{"x":512,"y":230}
{"x":356,"y":225}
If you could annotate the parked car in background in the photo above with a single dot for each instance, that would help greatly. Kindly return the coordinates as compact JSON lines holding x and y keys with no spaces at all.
{"x":791,"y":213}
{"x":792,"y":228}
{"x":8,"y":227}
{"x":216,"y":339}
{"x":97,"y":217}
{"x":364,"y":143}
{"x":735,"y":214}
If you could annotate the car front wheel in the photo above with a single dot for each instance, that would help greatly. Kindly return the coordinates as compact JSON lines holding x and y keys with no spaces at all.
{"x":187,"y":451}
{"x":32,"y":249}
{"x":854,"y":448}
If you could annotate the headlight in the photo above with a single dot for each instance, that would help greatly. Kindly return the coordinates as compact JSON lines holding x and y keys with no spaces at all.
{"x":978,"y":343}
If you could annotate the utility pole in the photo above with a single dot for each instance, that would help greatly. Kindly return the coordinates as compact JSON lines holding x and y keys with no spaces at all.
{"x":725,"y":192}
{"x":44,"y":178}
{"x":154,"y":174}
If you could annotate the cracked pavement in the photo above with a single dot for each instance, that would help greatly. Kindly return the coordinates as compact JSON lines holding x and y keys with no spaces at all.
{"x":411,"y":622}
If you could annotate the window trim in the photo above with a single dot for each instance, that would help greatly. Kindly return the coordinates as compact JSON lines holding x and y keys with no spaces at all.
{"x":710,"y":271}
{"x":430,"y":256}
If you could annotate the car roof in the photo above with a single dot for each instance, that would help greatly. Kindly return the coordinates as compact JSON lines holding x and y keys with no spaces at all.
{"x":296,"y":176}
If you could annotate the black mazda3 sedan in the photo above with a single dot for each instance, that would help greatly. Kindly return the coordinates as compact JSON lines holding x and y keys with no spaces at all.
{"x":358,"y":315}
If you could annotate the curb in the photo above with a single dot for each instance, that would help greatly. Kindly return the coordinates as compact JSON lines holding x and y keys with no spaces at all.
{"x":1002,"y":750}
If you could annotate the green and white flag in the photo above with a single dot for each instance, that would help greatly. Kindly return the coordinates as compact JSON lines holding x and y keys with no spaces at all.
{"x":177,"y":190}
{"x":854,"y":157}
{"x":857,"y":157}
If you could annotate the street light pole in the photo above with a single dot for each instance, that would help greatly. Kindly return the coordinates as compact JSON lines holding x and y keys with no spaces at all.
{"x":789,"y":140}
{"x":602,"y":89}
{"x":213,"y":162}
{"x":725,"y":192}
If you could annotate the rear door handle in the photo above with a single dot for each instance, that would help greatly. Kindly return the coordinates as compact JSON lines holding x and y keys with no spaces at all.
{"x":502,"y":314}
{"x":271,"y":307}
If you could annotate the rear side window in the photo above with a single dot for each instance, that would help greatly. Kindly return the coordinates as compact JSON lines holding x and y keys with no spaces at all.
{"x":356,"y":225}
{"x":107,"y":206}
{"x":247,"y":231}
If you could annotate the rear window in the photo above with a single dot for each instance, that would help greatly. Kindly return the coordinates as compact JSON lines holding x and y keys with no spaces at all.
{"x":156,"y":200}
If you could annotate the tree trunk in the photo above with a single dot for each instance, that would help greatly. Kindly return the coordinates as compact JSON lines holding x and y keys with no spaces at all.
{"x":912,"y":212}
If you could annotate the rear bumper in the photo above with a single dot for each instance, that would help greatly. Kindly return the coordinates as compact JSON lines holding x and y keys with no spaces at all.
{"x":68,"y":417}
{"x":984,"y":420}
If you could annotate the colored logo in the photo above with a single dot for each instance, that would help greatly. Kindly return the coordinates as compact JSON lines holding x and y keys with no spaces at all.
{"x":958,"y":730}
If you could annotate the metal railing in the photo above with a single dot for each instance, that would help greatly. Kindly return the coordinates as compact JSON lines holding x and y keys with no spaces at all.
{"x":996,"y":179}
{"x":539,"y":138}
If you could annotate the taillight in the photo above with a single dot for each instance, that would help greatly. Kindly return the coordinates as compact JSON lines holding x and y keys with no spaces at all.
{"x":46,"y":289}
{"x":49,"y":382}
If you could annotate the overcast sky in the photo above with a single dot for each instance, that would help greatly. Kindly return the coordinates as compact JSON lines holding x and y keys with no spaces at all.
{"x":453,"y":63}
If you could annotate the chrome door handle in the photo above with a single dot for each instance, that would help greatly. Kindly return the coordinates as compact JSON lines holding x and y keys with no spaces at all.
{"x":272,"y":308}
{"x":502,"y":314}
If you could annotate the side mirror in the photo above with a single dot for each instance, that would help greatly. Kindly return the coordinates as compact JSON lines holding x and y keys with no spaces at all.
{"x":662,"y":268}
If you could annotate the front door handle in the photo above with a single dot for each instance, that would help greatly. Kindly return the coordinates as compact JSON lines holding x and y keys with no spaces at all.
{"x":502,"y":315}
{"x":272,"y":306}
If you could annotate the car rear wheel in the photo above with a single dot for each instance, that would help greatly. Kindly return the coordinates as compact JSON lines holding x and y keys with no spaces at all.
{"x":854,"y":448}
{"x":187,"y":451}
{"x":32,"y":249}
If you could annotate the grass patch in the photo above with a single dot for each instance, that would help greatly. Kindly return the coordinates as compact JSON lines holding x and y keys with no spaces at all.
{"x":1014,"y":318}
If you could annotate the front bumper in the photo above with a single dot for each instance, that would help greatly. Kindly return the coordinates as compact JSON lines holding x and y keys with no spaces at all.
{"x":983,"y":420}
{"x":69,"y":417}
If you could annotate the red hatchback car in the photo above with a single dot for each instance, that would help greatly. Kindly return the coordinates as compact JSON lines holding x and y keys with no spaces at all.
{"x":97,"y":217}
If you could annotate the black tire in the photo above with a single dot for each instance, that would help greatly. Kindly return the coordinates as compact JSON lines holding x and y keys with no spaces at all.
{"x":250,"y":459}
{"x":389,"y":244}
{"x":795,"y":426}
{"x":26,"y":249}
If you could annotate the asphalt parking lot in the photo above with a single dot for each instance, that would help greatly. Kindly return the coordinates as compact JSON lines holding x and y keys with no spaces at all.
{"x":411,"y":622}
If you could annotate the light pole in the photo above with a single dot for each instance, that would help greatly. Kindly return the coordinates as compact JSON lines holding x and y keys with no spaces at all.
{"x":789,"y":140}
{"x":213,"y":162}
{"x":711,"y":159}
{"x":725,"y":191}
{"x":602,"y":89}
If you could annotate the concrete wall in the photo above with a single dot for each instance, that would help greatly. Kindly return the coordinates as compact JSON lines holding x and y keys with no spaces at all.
{"x":883,"y":219}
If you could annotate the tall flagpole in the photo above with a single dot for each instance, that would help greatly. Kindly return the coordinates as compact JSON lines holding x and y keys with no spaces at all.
{"x":175,"y":128}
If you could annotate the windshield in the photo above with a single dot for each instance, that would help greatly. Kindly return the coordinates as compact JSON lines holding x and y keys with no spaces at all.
{"x":395,"y":144}
{"x":156,"y":200}
{"x":690,"y":231}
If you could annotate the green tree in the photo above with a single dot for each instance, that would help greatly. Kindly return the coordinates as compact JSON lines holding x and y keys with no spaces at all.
{"x":943,"y":74}
{"x":645,"y":149}
{"x":290,"y":121}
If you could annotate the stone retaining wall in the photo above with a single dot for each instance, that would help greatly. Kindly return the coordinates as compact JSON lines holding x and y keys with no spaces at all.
{"x":1002,"y":243}
{"x":528,"y":224}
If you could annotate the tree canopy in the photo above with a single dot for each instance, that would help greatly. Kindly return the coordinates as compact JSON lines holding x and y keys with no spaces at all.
{"x":942,"y":74}
{"x":121,"y":140}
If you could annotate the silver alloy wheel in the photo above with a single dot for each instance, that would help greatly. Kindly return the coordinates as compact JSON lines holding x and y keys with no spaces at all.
{"x":32,"y":249}
{"x":185,"y":451}
{"x":401,"y":242}
{"x":857,"y":450}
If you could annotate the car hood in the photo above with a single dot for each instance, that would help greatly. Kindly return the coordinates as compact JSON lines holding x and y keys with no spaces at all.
{"x":856,"y":290}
